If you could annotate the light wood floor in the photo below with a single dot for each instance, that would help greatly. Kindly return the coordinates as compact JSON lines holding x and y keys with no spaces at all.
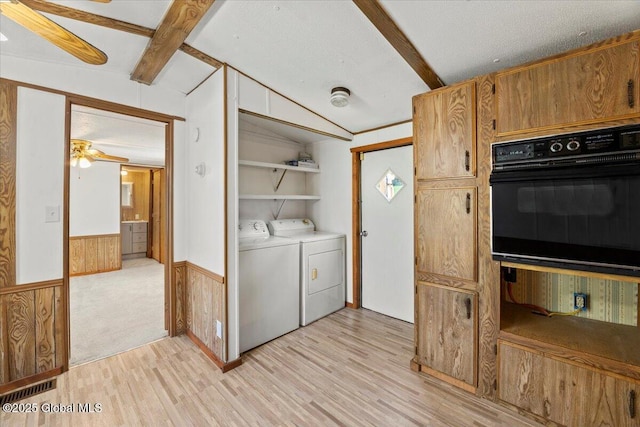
{"x":348,"y":369}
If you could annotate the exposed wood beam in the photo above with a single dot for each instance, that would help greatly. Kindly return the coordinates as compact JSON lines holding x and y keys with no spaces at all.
{"x":394,"y":35}
{"x":114,"y":24}
{"x":177,"y":24}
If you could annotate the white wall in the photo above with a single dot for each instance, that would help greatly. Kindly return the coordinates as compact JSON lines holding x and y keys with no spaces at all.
{"x":179,"y":192}
{"x":94,"y":199}
{"x":205,"y":195}
{"x":333,"y":212}
{"x":39,"y":184}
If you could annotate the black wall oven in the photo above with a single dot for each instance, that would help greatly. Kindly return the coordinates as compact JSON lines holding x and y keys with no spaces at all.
{"x":570,"y":201}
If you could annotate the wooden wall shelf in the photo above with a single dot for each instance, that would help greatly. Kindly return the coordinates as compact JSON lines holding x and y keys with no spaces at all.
{"x":606,"y":276}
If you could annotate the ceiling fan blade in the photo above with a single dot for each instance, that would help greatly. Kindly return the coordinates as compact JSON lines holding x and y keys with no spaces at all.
{"x":99,"y":155}
{"x":46,"y":28}
{"x":102,"y":1}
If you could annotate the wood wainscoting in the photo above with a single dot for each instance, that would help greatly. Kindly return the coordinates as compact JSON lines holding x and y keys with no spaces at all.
{"x":32,"y":333}
{"x":204,"y":304}
{"x":94,"y":254}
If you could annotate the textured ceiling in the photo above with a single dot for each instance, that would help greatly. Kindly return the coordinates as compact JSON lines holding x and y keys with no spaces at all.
{"x":304,"y":48}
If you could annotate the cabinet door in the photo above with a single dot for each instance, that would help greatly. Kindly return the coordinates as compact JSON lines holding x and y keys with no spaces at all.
{"x":565,"y":393}
{"x":590,"y":87}
{"x":444,"y":128}
{"x":125,"y":236}
{"x":446,"y":232}
{"x":446,"y":326}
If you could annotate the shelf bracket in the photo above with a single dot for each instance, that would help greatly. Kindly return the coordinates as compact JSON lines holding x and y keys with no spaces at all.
{"x":284,"y":172}
{"x":280,"y":208}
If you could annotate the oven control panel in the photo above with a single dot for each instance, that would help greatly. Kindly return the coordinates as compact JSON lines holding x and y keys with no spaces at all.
{"x":570,"y":147}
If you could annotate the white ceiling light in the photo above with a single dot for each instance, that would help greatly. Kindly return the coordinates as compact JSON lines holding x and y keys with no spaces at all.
{"x":340,"y":96}
{"x":3,"y":38}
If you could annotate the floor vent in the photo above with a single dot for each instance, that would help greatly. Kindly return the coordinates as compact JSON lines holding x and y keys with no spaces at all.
{"x":14,"y":396}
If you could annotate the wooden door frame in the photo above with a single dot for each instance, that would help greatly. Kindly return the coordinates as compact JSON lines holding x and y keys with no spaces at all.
{"x":169,"y":285}
{"x":356,"y":212}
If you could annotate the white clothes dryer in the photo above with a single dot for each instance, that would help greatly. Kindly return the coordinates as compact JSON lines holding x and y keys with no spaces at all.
{"x":268,"y":282}
{"x":322,"y":267}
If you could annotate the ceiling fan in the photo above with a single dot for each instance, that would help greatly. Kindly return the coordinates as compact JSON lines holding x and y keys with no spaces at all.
{"x":83,"y":155}
{"x":22,"y":13}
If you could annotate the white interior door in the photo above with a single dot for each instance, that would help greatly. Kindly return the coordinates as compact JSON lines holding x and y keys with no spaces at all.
{"x":387,"y":227}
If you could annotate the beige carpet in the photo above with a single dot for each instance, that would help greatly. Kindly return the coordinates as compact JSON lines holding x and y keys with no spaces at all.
{"x":116,"y":311}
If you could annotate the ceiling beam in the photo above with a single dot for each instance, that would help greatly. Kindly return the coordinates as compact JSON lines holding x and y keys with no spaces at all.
{"x":374,"y":11}
{"x":177,"y":24}
{"x":114,"y":24}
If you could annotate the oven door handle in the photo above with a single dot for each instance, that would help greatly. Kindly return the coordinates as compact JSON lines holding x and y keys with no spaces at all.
{"x":581,"y":171}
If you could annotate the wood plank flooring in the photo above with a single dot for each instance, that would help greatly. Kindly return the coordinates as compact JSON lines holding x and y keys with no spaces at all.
{"x":348,"y":369}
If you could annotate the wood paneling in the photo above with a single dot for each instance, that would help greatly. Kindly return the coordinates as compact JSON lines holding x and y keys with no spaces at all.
{"x":568,"y":394}
{"x":445,"y":132}
{"x":446,"y":232}
{"x":447,"y":337}
{"x":178,"y":22}
{"x":180,"y":283}
{"x":8,"y":141}
{"x":374,"y":11}
{"x":94,"y":254}
{"x":205,"y":302}
{"x":589,"y":86}
{"x":31,"y":331}
{"x":141,"y":179}
{"x":488,"y":269}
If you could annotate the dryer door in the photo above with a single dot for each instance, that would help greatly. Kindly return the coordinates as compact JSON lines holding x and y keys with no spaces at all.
{"x":325,"y":270}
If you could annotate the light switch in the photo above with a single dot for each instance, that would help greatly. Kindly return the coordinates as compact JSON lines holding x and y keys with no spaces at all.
{"x":52,"y":214}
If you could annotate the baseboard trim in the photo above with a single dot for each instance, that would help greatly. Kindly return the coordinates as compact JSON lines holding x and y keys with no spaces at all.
{"x":224,"y":367}
{"x":350,"y":305}
{"x":22,"y":382}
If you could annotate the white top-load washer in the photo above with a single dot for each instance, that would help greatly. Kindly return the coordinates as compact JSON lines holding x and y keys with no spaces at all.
{"x":268,"y":282}
{"x":322,"y":267}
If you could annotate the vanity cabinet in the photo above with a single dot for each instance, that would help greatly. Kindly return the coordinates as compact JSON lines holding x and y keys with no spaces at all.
{"x":444,"y":132}
{"x":134,"y":237}
{"x":593,"y":85}
{"x":565,"y":392}
{"x":447,"y":333}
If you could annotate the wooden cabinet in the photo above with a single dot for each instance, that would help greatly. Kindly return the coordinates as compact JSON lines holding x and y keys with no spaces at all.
{"x":589,"y":86}
{"x":446,"y":232}
{"x":444,"y":132}
{"x":134,"y":237}
{"x":447,"y":333}
{"x":567,"y":393}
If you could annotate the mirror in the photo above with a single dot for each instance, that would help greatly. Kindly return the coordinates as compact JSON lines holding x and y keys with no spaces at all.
{"x":126,"y":194}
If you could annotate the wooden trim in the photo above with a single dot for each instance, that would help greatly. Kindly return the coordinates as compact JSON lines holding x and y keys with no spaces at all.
{"x":210,"y":274}
{"x":64,"y":328}
{"x":295,"y":125}
{"x":286,"y":97}
{"x":350,"y":305}
{"x":224,"y":367}
{"x":31,"y":286}
{"x":176,"y":25}
{"x":390,"y":125}
{"x":115,"y":24}
{"x":93,"y":236}
{"x":376,"y":14}
{"x":8,"y":159}
{"x":100,"y":103}
{"x":225,"y":78}
{"x":446,"y":378}
{"x":383,"y":145}
{"x":14,"y":385}
{"x":203,"y":82}
{"x":356,"y":211}
{"x":632,"y":279}
{"x":169,"y":285}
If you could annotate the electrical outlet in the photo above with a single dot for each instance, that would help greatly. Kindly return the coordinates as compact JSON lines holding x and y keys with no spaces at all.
{"x":509,"y":274}
{"x":218,"y":329}
{"x":580,"y":301}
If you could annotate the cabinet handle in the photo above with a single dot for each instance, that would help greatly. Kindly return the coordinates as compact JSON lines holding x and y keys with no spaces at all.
{"x":468,"y":203}
{"x":467,"y":160}
{"x":467,"y":303}
{"x":632,"y":404}
{"x":630,"y":94}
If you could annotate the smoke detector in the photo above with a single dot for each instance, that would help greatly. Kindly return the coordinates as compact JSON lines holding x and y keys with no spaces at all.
{"x":340,"y":96}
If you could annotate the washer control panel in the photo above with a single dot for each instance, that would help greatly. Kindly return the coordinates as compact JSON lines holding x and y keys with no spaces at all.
{"x":252,"y":228}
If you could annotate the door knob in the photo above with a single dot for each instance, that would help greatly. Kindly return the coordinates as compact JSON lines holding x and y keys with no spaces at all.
{"x":364,"y":233}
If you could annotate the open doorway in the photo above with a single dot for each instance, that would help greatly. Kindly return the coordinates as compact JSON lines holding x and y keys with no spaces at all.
{"x":117,"y":226}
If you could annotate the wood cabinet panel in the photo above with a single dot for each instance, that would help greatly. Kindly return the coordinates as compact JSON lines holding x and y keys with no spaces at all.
{"x":587,"y":87}
{"x":94,"y":254}
{"x":447,"y":337}
{"x":446,"y":232}
{"x":444,"y":132}
{"x":565,"y":393}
